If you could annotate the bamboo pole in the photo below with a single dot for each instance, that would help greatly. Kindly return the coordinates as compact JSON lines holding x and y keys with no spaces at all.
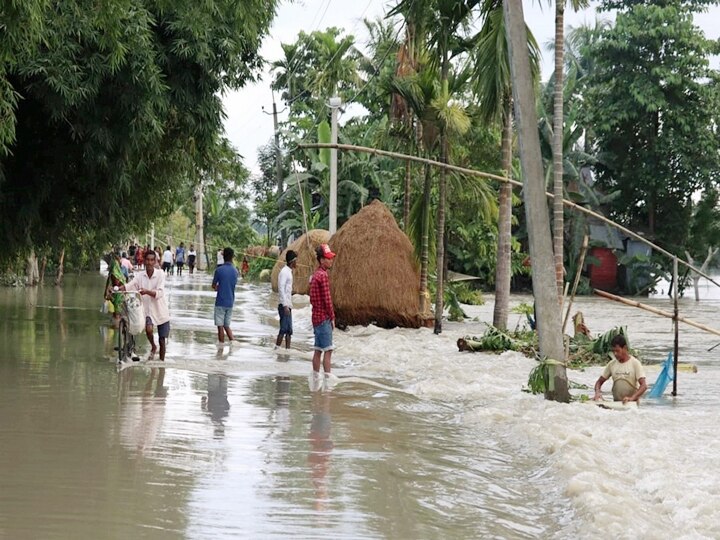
{"x":581,"y":261}
{"x":656,"y":311}
{"x":676,"y":324}
{"x":472,"y":172}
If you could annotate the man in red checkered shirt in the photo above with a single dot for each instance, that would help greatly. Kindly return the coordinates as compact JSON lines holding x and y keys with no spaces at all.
{"x":323,"y":314}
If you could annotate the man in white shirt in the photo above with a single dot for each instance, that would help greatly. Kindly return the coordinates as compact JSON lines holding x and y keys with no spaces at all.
{"x":151,"y":286}
{"x":285,"y":285}
{"x":167,"y":260}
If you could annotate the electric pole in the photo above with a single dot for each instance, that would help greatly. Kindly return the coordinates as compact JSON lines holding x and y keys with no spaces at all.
{"x":278,"y":163}
{"x":335,"y":103}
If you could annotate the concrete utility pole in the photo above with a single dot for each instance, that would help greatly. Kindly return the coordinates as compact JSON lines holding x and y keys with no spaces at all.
{"x":335,"y":103}
{"x":152,"y":235}
{"x":278,"y":156}
{"x":278,"y":161}
{"x":199,"y":230}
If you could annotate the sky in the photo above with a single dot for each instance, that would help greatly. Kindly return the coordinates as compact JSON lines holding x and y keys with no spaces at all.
{"x":248,"y":126}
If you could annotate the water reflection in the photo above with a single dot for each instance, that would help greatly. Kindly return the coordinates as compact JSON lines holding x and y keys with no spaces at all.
{"x":142,"y":415}
{"x":321,"y":446}
{"x":216,"y":402}
{"x":282,"y":402}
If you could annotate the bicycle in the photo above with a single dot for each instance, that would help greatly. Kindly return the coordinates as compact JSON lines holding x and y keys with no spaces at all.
{"x":126,"y":340}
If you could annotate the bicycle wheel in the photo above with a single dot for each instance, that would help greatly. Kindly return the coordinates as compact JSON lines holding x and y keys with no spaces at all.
{"x":131,"y":348}
{"x":122,"y":340}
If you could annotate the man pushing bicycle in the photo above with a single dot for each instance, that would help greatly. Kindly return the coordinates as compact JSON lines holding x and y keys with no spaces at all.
{"x":151,"y":286}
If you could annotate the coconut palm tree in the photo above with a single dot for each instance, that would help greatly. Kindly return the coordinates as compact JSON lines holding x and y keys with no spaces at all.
{"x":443,"y":22}
{"x":493,"y":85}
{"x":437,"y":111}
{"x":538,"y":219}
{"x":557,"y":147}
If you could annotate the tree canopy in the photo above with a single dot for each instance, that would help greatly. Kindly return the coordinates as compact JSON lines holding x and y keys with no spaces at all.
{"x":109,"y":109}
{"x":652,"y":102}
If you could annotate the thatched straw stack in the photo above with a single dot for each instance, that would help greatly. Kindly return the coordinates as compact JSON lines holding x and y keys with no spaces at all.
{"x":307,"y":261}
{"x":375,"y":277}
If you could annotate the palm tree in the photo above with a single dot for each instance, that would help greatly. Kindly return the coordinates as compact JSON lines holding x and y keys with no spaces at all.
{"x":442,"y":22}
{"x":287,"y":71}
{"x":493,"y":84}
{"x":558,"y":191}
{"x":541,"y":249}
{"x":336,"y":62}
{"x":436,"y":110}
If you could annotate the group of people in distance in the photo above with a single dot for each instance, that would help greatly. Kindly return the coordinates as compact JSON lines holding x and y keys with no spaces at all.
{"x":168,"y":260}
{"x":178,"y":259}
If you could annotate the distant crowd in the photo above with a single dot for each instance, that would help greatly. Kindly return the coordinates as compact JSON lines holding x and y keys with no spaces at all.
{"x":168,"y":260}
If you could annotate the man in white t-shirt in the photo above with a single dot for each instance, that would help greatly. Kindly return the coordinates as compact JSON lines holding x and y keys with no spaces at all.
{"x":167,"y":260}
{"x":285,"y":285}
{"x":626,"y":371}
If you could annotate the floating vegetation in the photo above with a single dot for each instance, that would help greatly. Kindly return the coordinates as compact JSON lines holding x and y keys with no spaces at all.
{"x":495,"y":340}
{"x":583,"y":351}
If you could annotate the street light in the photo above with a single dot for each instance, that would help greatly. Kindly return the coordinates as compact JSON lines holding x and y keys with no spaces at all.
{"x":335,"y":103}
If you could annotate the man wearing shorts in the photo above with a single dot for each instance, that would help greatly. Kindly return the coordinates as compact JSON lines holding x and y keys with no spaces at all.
{"x":151,"y":286}
{"x":285,"y":286}
{"x":224,"y":281}
{"x":323,"y":314}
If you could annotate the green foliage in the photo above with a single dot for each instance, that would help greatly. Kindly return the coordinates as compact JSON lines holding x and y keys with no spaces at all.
{"x":524,"y":309}
{"x":705,"y":224}
{"x":114,"y":106}
{"x":466,"y":294}
{"x":257,"y":265}
{"x":653,"y":105}
{"x":317,"y":66}
{"x":265,"y":190}
{"x":601,"y":345}
{"x":539,"y":379}
{"x":495,"y":340}
{"x":227,"y":218}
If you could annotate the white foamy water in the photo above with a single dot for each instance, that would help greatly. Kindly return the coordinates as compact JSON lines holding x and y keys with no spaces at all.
{"x":645,"y":473}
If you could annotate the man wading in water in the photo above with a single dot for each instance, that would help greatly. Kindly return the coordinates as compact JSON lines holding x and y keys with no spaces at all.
{"x":627,"y":374}
{"x":151,"y":286}
{"x":323,"y":315}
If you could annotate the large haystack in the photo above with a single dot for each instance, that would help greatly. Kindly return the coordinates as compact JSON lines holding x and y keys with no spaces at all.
{"x":375,"y":277}
{"x":307,"y":261}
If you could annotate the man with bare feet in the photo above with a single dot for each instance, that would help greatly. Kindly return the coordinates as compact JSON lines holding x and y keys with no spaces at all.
{"x":323,"y":314}
{"x":151,"y":286}
{"x":224,"y":281}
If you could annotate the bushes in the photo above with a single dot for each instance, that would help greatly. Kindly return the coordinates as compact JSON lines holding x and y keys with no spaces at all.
{"x":257,"y":265}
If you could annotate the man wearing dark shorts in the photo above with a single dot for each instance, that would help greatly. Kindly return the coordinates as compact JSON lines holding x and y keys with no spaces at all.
{"x":285,"y":286}
{"x":151,"y":286}
{"x":224,"y":281}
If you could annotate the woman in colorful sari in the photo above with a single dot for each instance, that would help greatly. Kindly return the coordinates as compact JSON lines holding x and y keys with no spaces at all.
{"x":115,"y":278}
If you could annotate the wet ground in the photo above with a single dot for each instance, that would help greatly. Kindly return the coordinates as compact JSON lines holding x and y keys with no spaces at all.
{"x":417,"y":440}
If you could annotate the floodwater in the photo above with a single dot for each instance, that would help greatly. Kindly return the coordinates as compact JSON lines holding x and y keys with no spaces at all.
{"x":416,"y":441}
